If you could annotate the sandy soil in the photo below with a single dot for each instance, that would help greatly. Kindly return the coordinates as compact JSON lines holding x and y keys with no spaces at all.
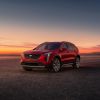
{"x":69,"y":84}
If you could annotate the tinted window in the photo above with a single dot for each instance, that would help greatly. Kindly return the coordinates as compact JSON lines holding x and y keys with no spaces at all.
{"x":64,"y":45}
{"x":48,"y":46}
{"x":40,"y":47}
{"x":52,"y":46}
{"x":72,"y":47}
{"x":69,"y":47}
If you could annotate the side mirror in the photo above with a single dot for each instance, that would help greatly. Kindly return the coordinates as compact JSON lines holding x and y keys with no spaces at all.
{"x":34,"y":48}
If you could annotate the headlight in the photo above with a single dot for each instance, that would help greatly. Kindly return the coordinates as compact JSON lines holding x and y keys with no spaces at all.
{"x":47,"y":56}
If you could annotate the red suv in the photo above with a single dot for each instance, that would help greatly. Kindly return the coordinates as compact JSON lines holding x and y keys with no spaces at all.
{"x":51,"y":55}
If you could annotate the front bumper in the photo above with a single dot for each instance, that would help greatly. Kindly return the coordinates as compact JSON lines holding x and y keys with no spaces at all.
{"x":40,"y":62}
{"x":33,"y":65}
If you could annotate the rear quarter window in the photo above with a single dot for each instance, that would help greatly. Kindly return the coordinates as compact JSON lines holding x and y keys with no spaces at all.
{"x":72,"y":47}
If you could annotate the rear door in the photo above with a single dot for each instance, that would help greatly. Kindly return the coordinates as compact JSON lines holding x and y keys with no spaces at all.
{"x":71,"y":51}
{"x":65,"y":53}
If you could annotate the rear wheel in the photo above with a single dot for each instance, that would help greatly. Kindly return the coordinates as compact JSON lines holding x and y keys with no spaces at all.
{"x":76,"y":64}
{"x":56,"y":65}
{"x":27,"y":68}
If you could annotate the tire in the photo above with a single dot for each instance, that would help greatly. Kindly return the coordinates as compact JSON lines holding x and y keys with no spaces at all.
{"x":27,"y":68}
{"x":56,"y":65}
{"x":76,"y":64}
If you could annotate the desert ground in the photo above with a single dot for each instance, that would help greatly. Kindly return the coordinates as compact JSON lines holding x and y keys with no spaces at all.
{"x":39,"y":84}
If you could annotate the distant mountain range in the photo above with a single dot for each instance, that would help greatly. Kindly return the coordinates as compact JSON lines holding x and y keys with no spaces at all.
{"x":93,"y":53}
{"x":9,"y":54}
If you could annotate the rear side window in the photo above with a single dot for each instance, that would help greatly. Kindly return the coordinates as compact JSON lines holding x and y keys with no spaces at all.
{"x":72,"y":47}
{"x":64,"y":45}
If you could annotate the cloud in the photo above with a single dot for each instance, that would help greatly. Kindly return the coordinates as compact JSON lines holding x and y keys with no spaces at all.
{"x":91,"y":49}
{"x":24,"y":45}
{"x":96,"y":47}
{"x":1,"y":38}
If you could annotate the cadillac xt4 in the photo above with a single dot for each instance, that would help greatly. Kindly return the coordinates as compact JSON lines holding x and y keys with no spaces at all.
{"x":51,"y":55}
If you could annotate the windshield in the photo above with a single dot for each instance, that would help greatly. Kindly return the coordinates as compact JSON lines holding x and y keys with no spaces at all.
{"x":48,"y":46}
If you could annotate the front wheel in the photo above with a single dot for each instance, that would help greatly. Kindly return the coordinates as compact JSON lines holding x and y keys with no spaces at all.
{"x":56,"y":65}
{"x":76,"y":64}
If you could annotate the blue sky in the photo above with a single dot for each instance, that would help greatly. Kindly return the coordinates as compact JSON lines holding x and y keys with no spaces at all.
{"x":65,"y":12}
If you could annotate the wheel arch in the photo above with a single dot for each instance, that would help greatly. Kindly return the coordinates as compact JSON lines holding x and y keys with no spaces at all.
{"x":78,"y":56}
{"x":57,"y":56}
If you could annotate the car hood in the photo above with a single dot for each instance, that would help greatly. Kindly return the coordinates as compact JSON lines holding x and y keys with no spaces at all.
{"x":36,"y":52}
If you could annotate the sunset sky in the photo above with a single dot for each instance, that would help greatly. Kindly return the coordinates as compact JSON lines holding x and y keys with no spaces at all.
{"x":27,"y":23}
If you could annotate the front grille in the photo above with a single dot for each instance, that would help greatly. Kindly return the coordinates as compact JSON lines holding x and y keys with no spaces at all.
{"x":30,"y":64}
{"x":32,"y":56}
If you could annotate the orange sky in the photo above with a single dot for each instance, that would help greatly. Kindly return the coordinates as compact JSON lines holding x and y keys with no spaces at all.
{"x":18,"y":38}
{"x":18,"y":50}
{"x":90,"y":50}
{"x":11,"y":49}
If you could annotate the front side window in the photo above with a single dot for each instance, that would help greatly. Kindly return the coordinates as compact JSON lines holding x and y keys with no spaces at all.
{"x":64,"y":45}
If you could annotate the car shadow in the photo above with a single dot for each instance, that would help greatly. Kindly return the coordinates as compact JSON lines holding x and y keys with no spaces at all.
{"x":64,"y":69}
